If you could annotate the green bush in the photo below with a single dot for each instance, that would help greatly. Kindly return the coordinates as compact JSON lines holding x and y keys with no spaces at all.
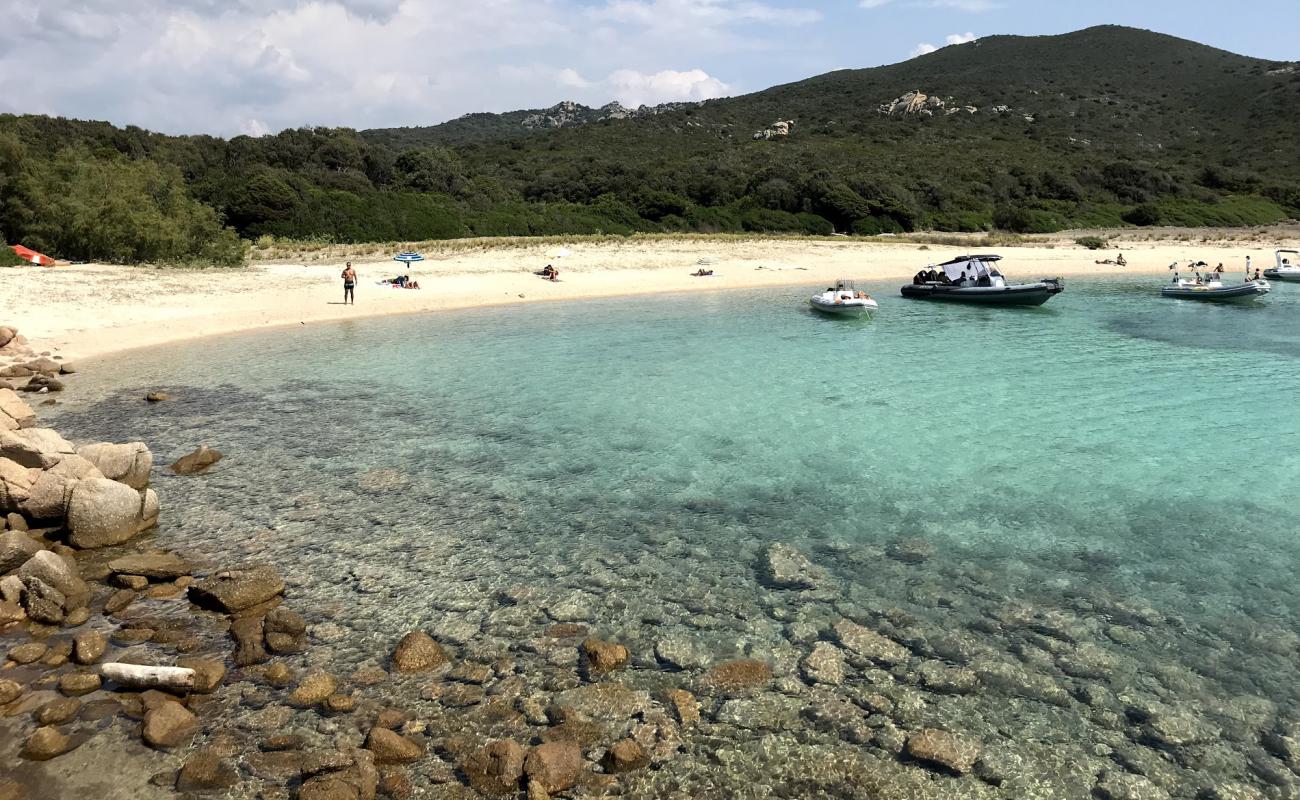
{"x":1019,"y":219}
{"x":86,"y":208}
{"x":1091,"y":242}
{"x":1143,"y":216}
{"x":8,"y":258}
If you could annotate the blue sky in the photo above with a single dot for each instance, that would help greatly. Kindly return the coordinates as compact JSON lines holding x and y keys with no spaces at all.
{"x":252,"y":66}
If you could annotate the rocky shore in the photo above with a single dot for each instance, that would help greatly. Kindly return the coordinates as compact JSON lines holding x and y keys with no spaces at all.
{"x":808,"y":668}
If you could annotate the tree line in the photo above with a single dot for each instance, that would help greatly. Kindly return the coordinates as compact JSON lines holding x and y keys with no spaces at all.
{"x":93,"y":191}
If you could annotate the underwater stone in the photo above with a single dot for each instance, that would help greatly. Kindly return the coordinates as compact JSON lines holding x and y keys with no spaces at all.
{"x":944,"y":749}
{"x":416,"y":652}
{"x":785,"y":567}
{"x":825,"y":664}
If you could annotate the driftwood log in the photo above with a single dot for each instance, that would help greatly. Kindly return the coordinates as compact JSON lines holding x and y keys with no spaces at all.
{"x":137,"y":676}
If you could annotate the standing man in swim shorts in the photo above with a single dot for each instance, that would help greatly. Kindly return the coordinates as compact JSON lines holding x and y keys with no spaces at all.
{"x":349,"y":285}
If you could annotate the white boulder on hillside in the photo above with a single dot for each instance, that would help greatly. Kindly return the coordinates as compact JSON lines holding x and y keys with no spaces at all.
{"x":918,"y":103}
{"x":777,"y":130}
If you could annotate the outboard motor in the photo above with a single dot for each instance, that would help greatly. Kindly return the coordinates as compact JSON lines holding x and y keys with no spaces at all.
{"x":1055,"y":285}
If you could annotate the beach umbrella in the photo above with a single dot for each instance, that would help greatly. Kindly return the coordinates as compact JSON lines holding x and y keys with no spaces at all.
{"x":408,"y":257}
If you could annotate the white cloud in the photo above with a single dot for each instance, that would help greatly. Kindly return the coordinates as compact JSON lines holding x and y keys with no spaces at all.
{"x":252,"y":66}
{"x":970,"y":6}
{"x":632,"y":88}
{"x":925,"y":48}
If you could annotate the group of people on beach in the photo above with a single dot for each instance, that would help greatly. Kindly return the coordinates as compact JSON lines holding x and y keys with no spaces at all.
{"x":349,"y":277}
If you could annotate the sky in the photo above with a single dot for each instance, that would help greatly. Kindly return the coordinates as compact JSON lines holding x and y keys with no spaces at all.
{"x":230,"y":67}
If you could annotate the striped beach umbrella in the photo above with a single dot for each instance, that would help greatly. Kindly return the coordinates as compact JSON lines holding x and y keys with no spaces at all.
{"x":408,"y":257}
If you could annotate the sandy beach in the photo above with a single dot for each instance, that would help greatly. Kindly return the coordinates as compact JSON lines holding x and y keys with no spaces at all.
{"x":85,"y":311}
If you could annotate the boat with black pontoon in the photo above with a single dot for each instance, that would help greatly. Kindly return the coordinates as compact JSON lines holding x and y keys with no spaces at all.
{"x":976,"y":279}
{"x":845,"y":300}
{"x":1210,"y":286}
{"x":1287,"y":267}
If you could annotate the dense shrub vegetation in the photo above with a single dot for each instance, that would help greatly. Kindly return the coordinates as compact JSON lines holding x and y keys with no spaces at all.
{"x":1105,"y":127}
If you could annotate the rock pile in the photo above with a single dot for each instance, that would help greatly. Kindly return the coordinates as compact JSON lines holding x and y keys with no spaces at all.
{"x":776,"y":130}
{"x":919,"y":104}
{"x":25,"y":370}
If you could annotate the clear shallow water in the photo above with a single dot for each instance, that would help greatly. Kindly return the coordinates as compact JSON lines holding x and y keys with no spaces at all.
{"x":626,"y":463}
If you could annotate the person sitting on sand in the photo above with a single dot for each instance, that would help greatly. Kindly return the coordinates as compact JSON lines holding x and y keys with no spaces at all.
{"x":547,"y":271}
{"x":1120,"y":262}
{"x":555,"y":274}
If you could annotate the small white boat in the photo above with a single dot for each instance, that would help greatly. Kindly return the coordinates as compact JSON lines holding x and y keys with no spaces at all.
{"x":1287,"y":267}
{"x":1211,"y":287}
{"x":844,"y":300}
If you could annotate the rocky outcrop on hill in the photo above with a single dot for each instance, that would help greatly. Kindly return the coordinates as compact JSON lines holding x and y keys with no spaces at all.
{"x":569,"y":114}
{"x":776,"y":130}
{"x":918,"y":103}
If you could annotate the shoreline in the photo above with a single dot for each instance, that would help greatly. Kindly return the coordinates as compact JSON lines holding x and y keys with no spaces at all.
{"x":87,"y":312}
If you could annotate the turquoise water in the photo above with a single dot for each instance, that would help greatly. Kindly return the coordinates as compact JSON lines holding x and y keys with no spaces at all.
{"x":627,"y":462}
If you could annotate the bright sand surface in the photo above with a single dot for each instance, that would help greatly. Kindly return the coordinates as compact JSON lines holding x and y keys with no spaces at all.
{"x":83,"y":311}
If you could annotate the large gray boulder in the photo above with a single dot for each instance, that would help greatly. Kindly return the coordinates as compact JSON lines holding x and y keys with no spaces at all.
{"x":125,"y":463}
{"x":16,"y":548}
{"x":14,"y":413}
{"x":52,"y":488}
{"x":103,"y":512}
{"x":15,"y":485}
{"x":39,"y":448}
{"x":58,"y":572}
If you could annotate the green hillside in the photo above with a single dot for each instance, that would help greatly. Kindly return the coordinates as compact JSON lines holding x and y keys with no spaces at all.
{"x":1103,"y":127}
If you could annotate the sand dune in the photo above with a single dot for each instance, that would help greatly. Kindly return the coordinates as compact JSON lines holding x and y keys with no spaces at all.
{"x":84,"y":311}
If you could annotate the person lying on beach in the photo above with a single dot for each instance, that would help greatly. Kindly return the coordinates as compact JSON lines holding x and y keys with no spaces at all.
{"x":702,"y":273}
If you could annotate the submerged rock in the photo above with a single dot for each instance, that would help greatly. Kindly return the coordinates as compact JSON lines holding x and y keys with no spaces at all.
{"x":869,"y":644}
{"x":45,"y":743}
{"x":825,"y":664}
{"x":234,"y":590}
{"x":416,"y":652}
{"x":196,"y":462}
{"x":603,"y":657}
{"x":738,"y":675}
{"x":169,"y":724}
{"x":391,"y":747}
{"x":785,"y":567}
{"x":624,"y":756}
{"x":556,"y":766}
{"x":1127,"y":786}
{"x":496,"y":769}
{"x":943,"y":749}
{"x":206,"y":771}
{"x":684,"y":706}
